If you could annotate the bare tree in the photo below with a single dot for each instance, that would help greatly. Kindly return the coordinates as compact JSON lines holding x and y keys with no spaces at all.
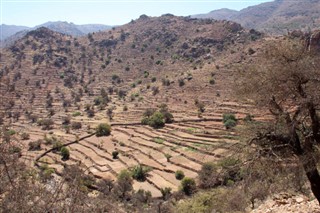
{"x":285,"y":78}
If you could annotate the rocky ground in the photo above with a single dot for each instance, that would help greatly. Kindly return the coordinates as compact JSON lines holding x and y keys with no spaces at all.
{"x":287,"y":203}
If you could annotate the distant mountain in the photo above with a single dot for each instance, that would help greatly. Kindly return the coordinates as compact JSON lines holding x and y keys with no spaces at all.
{"x":11,"y":33}
{"x":221,"y":14}
{"x":62,"y":27}
{"x":9,"y":30}
{"x":274,"y":17}
{"x":90,"y":28}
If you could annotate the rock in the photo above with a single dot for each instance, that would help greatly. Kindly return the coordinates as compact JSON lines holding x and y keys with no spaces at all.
{"x":299,"y":199}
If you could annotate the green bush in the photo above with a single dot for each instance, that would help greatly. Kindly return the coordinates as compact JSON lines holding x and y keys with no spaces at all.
{"x":179,"y":175}
{"x":115,"y":154}
{"x":75,"y":114}
{"x":230,"y":123}
{"x":64,"y":151}
{"x":103,"y":130}
{"x":139,"y":172}
{"x":188,"y":186}
{"x":228,"y":116}
{"x":229,"y":120}
{"x":156,"y":120}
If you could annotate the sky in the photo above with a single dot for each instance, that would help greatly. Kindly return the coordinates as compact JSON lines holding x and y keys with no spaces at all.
{"x":110,"y":12}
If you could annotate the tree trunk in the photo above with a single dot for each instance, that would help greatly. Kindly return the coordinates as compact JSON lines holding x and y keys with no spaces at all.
{"x":310,"y":168}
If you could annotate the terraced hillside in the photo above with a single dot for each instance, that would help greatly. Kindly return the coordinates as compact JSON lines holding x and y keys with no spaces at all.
{"x":56,"y":86}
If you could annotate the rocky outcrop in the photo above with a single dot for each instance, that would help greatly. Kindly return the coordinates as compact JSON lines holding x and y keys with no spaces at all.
{"x":314,"y":41}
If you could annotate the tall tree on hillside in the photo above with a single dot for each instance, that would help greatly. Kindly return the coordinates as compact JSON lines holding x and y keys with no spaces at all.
{"x":285,"y":78}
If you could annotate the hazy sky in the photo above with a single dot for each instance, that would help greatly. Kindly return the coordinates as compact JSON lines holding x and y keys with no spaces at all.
{"x":111,"y":12}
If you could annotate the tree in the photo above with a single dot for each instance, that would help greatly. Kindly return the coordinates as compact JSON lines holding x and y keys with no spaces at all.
{"x":285,"y":79}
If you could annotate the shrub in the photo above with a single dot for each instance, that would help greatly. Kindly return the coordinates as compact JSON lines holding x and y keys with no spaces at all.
{"x":188,"y":186}
{"x":208,"y":175}
{"x":179,"y":175}
{"x":139,"y":172}
{"x":64,"y":151}
{"x":115,"y":154}
{"x":142,"y":196}
{"x":230,"y":170}
{"x":11,"y":132}
{"x":212,"y":81}
{"x":124,"y":183}
{"x":181,"y":82}
{"x":156,"y":120}
{"x":35,"y":145}
{"x":155,"y":90}
{"x":166,"y":193}
{"x":125,"y":108}
{"x":230,"y":123}
{"x":168,"y":156}
{"x":229,"y":120}
{"x":15,"y":150}
{"x":168,"y":117}
{"x":57,"y":145}
{"x":25,"y":136}
{"x":153,"y":79}
{"x":46,"y":124}
{"x":75,"y":114}
{"x":228,"y":116}
{"x":103,"y":130}
{"x":248,"y":118}
{"x":76,"y":125}
{"x":46,"y":171}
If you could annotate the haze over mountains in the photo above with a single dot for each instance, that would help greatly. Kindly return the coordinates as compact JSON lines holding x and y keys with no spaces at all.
{"x":273,"y":17}
{"x":11,"y":33}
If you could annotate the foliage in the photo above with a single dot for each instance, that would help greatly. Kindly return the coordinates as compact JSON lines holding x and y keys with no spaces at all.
{"x":25,"y":136}
{"x":64,"y":151}
{"x":76,"y":125}
{"x":208,"y":176}
{"x":179,"y":175}
{"x":115,"y":154}
{"x":103,"y":129}
{"x":229,"y":120}
{"x":140,"y":172}
{"x":166,"y":193}
{"x":35,"y":145}
{"x":289,"y":89}
{"x":188,"y":185}
{"x":157,"y":119}
{"x":124,"y":183}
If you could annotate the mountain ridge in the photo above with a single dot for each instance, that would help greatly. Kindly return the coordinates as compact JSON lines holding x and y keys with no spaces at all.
{"x":10,"y":33}
{"x":275,"y":17}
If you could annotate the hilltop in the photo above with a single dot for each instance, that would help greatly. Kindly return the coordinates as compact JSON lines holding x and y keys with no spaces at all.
{"x":277,"y":16}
